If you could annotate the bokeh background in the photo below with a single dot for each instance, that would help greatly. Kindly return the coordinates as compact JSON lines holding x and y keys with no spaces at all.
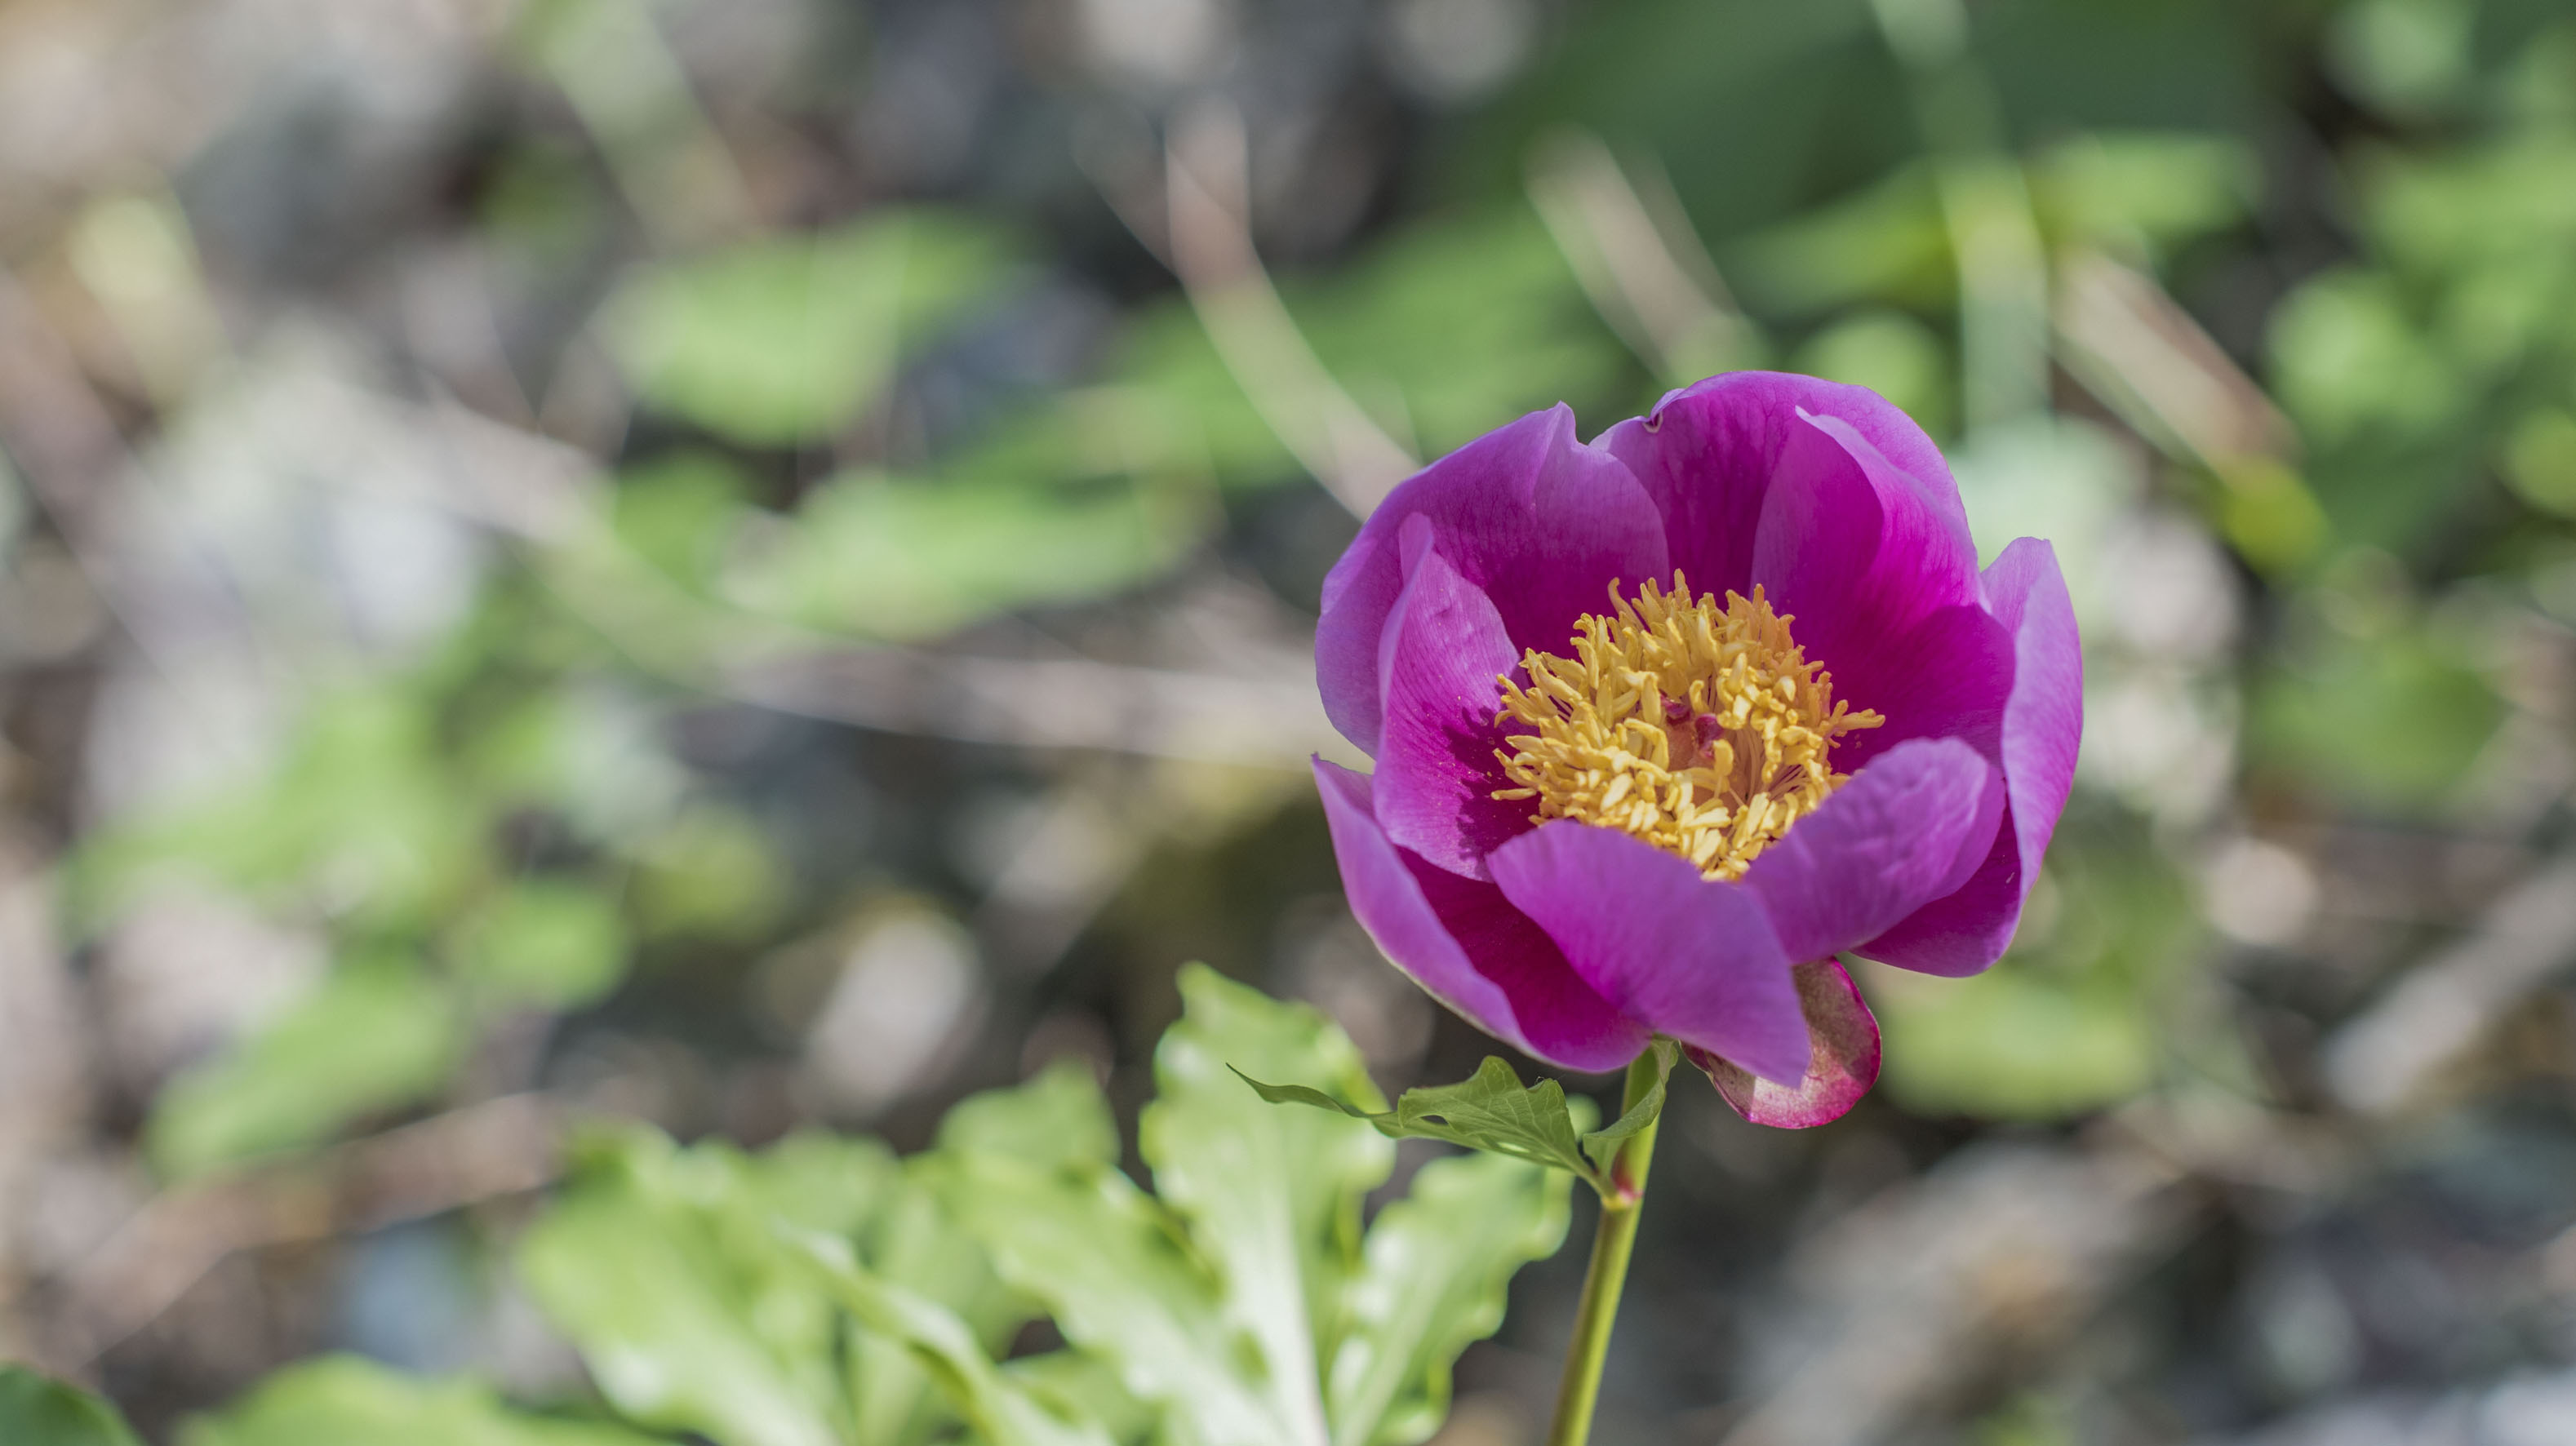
{"x":751,"y":562}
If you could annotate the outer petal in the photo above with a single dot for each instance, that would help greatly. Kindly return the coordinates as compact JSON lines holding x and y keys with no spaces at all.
{"x":1906,"y":830}
{"x":1706,"y":454}
{"x":2043,"y":723}
{"x":1527,"y":514}
{"x":1685,"y":956}
{"x":1439,"y":668}
{"x":1843,"y":1067}
{"x":1469,"y":948}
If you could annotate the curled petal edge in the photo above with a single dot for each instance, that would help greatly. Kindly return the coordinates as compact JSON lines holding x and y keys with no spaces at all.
{"x":1841,"y":1068}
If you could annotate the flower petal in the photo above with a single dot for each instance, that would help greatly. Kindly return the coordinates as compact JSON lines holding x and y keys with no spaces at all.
{"x":1906,"y":830}
{"x":1683,"y":955}
{"x":1440,"y":669}
{"x":2043,"y":724}
{"x":1527,"y":514}
{"x":1946,"y":677}
{"x":1706,"y":455}
{"x":1855,"y":548}
{"x":1843,"y":1062}
{"x":1468,"y":947}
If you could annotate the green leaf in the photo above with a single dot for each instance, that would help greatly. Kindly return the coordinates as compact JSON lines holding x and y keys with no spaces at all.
{"x":375,"y":1035}
{"x":1439,"y":1265}
{"x":785,"y":339}
{"x":1119,"y":1277}
{"x":551,"y":945}
{"x":1057,"y":1120}
{"x":38,"y":1411}
{"x":1492,"y":1111}
{"x":340,"y":1400}
{"x":1245,"y":1303}
{"x":662,"y":1266}
{"x":1272,"y":1197}
{"x":910,"y":557}
{"x":687,"y":1278}
{"x":1006,"y":1411}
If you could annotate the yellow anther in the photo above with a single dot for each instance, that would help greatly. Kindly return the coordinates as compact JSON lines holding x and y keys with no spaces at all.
{"x":1696,"y":725}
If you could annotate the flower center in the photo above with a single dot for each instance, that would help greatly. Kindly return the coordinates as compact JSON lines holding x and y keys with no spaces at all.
{"x":1697,"y":726}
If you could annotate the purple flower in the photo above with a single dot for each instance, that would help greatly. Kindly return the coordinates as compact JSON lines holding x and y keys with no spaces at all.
{"x":1664,"y":723}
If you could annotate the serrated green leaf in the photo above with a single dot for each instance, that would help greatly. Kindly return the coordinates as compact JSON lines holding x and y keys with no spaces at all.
{"x":687,"y":1325}
{"x":40,"y":1411}
{"x":1488,"y":1111}
{"x":1439,"y":1264}
{"x":339,"y":1400}
{"x":1003,"y":1409}
{"x":1249,"y":1310}
{"x":1272,"y":1197}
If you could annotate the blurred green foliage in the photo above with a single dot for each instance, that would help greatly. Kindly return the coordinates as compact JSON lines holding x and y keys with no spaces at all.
{"x":35,"y":1411}
{"x":824,"y":1292}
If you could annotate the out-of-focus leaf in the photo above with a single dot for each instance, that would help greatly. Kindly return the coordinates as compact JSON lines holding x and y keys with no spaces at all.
{"x":376,"y":1034}
{"x":1439,"y":1263}
{"x":1002,"y":1408}
{"x":343,"y":1400}
{"x":551,"y":945}
{"x":2070,"y":1020}
{"x":2142,"y":189}
{"x":1057,"y":1120}
{"x":711,"y":873}
{"x":680,"y":512}
{"x":785,"y":339}
{"x":2540,"y":461}
{"x":38,"y":1411}
{"x":662,"y":1266}
{"x":668,"y":1269}
{"x":1114,"y":1269}
{"x":1883,"y":243}
{"x":362,"y":799}
{"x":898,"y":558}
{"x":1892,"y":354}
{"x":1271,"y":1196}
{"x":1442,"y":334}
{"x":2393,"y":720}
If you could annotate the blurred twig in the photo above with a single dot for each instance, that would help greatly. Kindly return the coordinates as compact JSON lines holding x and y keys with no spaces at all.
{"x":69,"y":453}
{"x":1637,"y":260}
{"x":2385,"y":1059}
{"x":1267,"y":713}
{"x":1207,"y":192}
{"x":499,"y":1147}
{"x":2134,"y":347}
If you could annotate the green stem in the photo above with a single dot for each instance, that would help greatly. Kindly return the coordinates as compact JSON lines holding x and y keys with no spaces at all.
{"x":1612,"y":1241}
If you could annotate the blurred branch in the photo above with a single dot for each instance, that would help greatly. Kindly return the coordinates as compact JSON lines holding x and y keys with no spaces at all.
{"x":68,"y":451}
{"x":2440,"y":1011}
{"x":2135,"y":348}
{"x":499,"y":1147}
{"x":1207,"y":192}
{"x":1641,"y":266}
{"x":1268,"y":714}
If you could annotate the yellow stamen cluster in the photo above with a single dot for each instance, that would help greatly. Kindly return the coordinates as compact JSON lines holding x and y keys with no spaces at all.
{"x":1697,"y":726}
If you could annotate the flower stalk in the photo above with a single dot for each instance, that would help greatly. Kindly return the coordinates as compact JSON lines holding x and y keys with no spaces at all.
{"x":1613,"y":1240}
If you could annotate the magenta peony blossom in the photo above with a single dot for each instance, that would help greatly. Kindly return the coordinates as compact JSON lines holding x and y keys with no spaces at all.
{"x":1664,"y":723}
